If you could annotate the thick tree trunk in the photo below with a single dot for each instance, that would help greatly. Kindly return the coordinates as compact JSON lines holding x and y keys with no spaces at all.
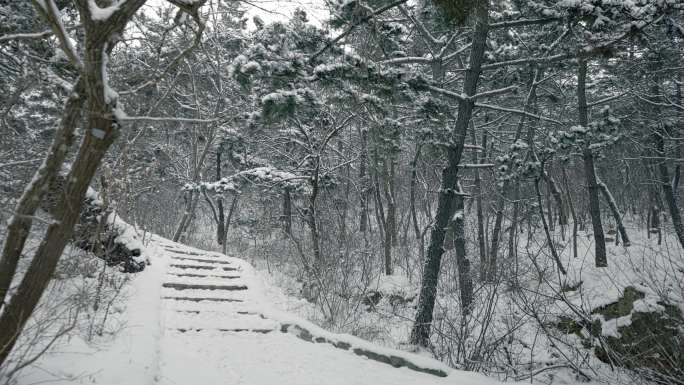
{"x":21,"y":222}
{"x":420,"y":334}
{"x":600,"y":258}
{"x":96,"y":230}
{"x":100,"y":131}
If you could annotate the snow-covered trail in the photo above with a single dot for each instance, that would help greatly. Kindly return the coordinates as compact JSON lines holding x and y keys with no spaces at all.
{"x":198,"y":317}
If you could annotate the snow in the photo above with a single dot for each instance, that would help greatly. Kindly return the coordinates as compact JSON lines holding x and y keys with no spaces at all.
{"x":195,"y":341}
{"x":102,"y":14}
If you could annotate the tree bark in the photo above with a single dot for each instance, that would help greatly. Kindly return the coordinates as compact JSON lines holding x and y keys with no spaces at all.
{"x":94,"y":231}
{"x":420,"y":334}
{"x":573,"y":213}
{"x":287,"y":211}
{"x":465,"y":280}
{"x":600,"y":258}
{"x":659,"y":136}
{"x":21,"y":222}
{"x":614,"y":210}
{"x":101,"y":131}
{"x":547,"y":233}
{"x":363,"y":196}
{"x":481,"y":241}
{"x":412,"y":203}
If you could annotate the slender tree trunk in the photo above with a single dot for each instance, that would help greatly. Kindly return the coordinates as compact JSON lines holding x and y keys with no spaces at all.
{"x":549,"y":239}
{"x":481,"y":242}
{"x":312,"y":219}
{"x":465,"y":281}
{"x":558,"y":197}
{"x":365,"y":185}
{"x":420,"y":334}
{"x":496,"y":237}
{"x":191,"y":199}
{"x":600,"y":258}
{"x":231,"y":211}
{"x":614,"y":210}
{"x":390,"y":220}
{"x":412,"y":203}
{"x":573,"y":213}
{"x":220,"y":220}
{"x":512,"y":233}
{"x":287,"y":211}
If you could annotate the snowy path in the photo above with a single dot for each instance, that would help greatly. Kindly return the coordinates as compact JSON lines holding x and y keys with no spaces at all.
{"x":202,"y":318}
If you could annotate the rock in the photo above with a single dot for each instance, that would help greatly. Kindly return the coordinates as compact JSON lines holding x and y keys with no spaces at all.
{"x":653,"y":341}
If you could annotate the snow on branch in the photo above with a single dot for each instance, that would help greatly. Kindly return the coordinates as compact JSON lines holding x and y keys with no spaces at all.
{"x":49,"y":11}
{"x":102,"y":14}
{"x":261,"y":176}
{"x":516,"y":111}
{"x":25,"y":36}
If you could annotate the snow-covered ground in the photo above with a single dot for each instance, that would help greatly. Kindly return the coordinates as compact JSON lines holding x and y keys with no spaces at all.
{"x":196,"y":317}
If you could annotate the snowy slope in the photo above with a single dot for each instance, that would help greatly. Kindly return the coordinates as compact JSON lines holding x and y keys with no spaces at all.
{"x":196,"y":317}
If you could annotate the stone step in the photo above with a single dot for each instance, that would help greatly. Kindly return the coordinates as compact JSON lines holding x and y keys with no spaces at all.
{"x":212,"y":261}
{"x":201,"y":299}
{"x":192,"y":275}
{"x":201,"y":267}
{"x":235,"y":330}
{"x":177,"y":251}
{"x":186,"y":286}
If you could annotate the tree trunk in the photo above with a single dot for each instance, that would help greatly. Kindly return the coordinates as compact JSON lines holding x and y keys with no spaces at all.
{"x":420,"y":334}
{"x":312,"y":220}
{"x":231,"y":211}
{"x":363,"y":196}
{"x":465,"y":281}
{"x":659,"y":136}
{"x":95,"y":232}
{"x":412,"y":203}
{"x":600,"y":258}
{"x":220,"y":220}
{"x":549,"y":239}
{"x":614,"y":210}
{"x":481,"y":242}
{"x":558,"y":197}
{"x":496,"y":238}
{"x":191,"y":199}
{"x":573,"y":213}
{"x":21,"y":222}
{"x":287,"y":211}
{"x":100,"y":131}
{"x":390,"y":220}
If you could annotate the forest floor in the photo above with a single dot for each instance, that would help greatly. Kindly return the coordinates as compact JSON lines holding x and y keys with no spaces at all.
{"x":514,"y":322}
{"x":197,"y":317}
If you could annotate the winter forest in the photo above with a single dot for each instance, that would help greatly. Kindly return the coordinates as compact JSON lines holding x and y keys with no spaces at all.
{"x":341,"y":192}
